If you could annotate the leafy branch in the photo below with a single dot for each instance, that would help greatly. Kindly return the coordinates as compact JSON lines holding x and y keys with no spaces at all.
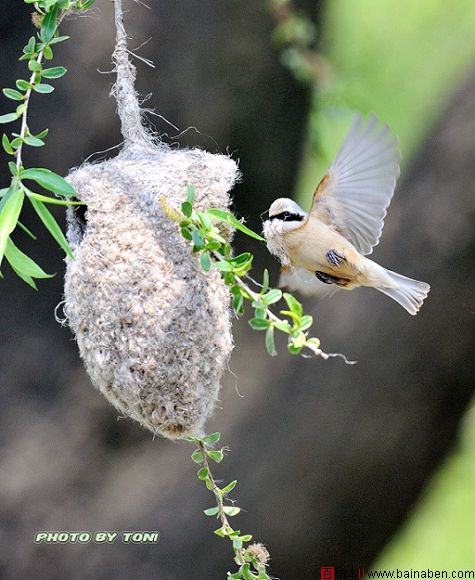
{"x":296,"y":35}
{"x":252,"y":559}
{"x":48,"y":17}
{"x":203,"y":231}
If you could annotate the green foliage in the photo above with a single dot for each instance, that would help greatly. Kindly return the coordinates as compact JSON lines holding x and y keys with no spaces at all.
{"x":251,"y":559}
{"x":202,"y":230}
{"x":47,"y":17}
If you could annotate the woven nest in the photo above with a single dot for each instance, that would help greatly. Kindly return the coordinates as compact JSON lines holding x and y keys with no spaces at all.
{"x":152,"y":328}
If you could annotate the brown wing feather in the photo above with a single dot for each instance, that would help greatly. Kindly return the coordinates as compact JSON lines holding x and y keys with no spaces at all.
{"x":356,"y":191}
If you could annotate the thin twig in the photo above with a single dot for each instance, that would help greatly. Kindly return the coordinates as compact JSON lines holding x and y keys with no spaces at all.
{"x":24,"y":117}
{"x":255,"y":296}
{"x":219,"y":501}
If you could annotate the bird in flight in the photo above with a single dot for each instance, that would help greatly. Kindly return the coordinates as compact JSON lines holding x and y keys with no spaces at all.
{"x":325,"y":249}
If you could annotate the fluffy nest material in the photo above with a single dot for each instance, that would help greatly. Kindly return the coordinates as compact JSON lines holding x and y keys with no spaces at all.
{"x":152,"y":328}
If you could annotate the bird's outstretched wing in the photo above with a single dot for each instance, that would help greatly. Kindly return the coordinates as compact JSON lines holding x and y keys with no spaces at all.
{"x":357,"y":189}
{"x":306,"y":283}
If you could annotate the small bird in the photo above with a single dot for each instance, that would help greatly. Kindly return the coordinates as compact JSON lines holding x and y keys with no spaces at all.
{"x":324,"y":250}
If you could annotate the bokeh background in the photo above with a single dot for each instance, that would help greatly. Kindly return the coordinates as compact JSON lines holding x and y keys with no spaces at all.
{"x":366,"y":466}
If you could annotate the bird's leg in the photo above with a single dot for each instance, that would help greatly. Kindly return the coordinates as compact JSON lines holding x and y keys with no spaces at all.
{"x":335,"y":258}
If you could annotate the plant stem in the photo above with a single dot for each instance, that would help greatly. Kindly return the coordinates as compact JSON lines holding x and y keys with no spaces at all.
{"x":219,"y":501}
{"x":24,"y":118}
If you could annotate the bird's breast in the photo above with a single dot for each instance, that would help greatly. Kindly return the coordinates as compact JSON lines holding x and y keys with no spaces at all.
{"x":309,"y":245}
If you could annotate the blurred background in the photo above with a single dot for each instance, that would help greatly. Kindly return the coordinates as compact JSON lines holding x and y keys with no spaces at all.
{"x":371,"y":465}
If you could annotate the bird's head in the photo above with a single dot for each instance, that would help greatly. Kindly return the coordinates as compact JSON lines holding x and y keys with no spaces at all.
{"x":284,"y":216}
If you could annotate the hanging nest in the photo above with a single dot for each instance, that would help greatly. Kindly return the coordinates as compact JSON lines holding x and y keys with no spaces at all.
{"x":152,"y":328}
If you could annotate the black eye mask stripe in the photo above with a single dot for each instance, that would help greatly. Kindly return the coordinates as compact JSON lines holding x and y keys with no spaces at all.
{"x":287,"y":217}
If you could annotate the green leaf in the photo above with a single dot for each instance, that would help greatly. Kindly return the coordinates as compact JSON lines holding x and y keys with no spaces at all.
{"x":270,"y":341}
{"x":293,"y":304}
{"x":260,"y":312}
{"x":299,"y":340}
{"x":205,"y":261}
{"x":51,"y":225}
{"x":48,"y":26}
{"x":31,"y":46}
{"x":231,"y":510}
{"x":9,"y":215}
{"x":265,"y":281}
{"x":224,"y":266}
{"x":22,"y":85}
{"x":213,"y":438}
{"x":229,"y":488}
{"x":215,"y":455}
{"x":22,"y":263}
{"x":33,"y":141}
{"x":207,"y":224}
{"x":221,"y":532}
{"x":8,"y":118}
{"x":198,"y":242}
{"x":13,"y":94}
{"x":185,"y":232}
{"x":58,"y":39}
{"x":49,"y":180}
{"x":272,"y":297}
{"x":211,"y":511}
{"x":228,"y":217}
{"x":33,"y":65}
{"x":237,"y":543}
{"x":51,"y":200}
{"x":197,"y":456}
{"x":54,"y":72}
{"x":43,"y":88}
{"x":186,"y":209}
{"x":210,"y":485}
{"x":7,"y":145}
{"x":203,"y":473}
{"x":246,"y":537}
{"x":48,"y":52}
{"x":43,"y":134}
{"x":238,"y":304}
{"x":20,"y":109}
{"x":27,"y":231}
{"x":13,"y":168}
{"x":305,"y":322}
{"x":246,"y":572}
{"x":283,"y":326}
{"x":190,"y":194}
{"x":259,"y":323}
{"x":28,"y":279}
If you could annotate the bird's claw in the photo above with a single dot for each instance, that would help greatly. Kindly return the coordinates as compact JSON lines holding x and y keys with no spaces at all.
{"x":335,"y":258}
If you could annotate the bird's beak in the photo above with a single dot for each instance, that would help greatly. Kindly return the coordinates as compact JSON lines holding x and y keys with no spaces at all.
{"x":263,"y":213}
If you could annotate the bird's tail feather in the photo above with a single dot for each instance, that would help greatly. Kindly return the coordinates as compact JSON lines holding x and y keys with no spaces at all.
{"x":409,"y":293}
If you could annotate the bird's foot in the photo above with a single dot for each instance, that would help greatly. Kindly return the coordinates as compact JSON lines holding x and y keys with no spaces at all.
{"x":335,"y":258}
{"x":326,"y":278}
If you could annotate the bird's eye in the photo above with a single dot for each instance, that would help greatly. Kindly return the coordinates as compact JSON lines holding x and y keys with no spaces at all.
{"x":286,"y":215}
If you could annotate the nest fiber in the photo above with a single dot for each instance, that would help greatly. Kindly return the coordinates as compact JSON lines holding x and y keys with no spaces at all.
{"x":152,"y":328}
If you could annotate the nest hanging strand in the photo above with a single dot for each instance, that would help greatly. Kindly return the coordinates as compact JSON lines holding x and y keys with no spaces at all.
{"x":152,"y":328}
{"x":128,"y":108}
